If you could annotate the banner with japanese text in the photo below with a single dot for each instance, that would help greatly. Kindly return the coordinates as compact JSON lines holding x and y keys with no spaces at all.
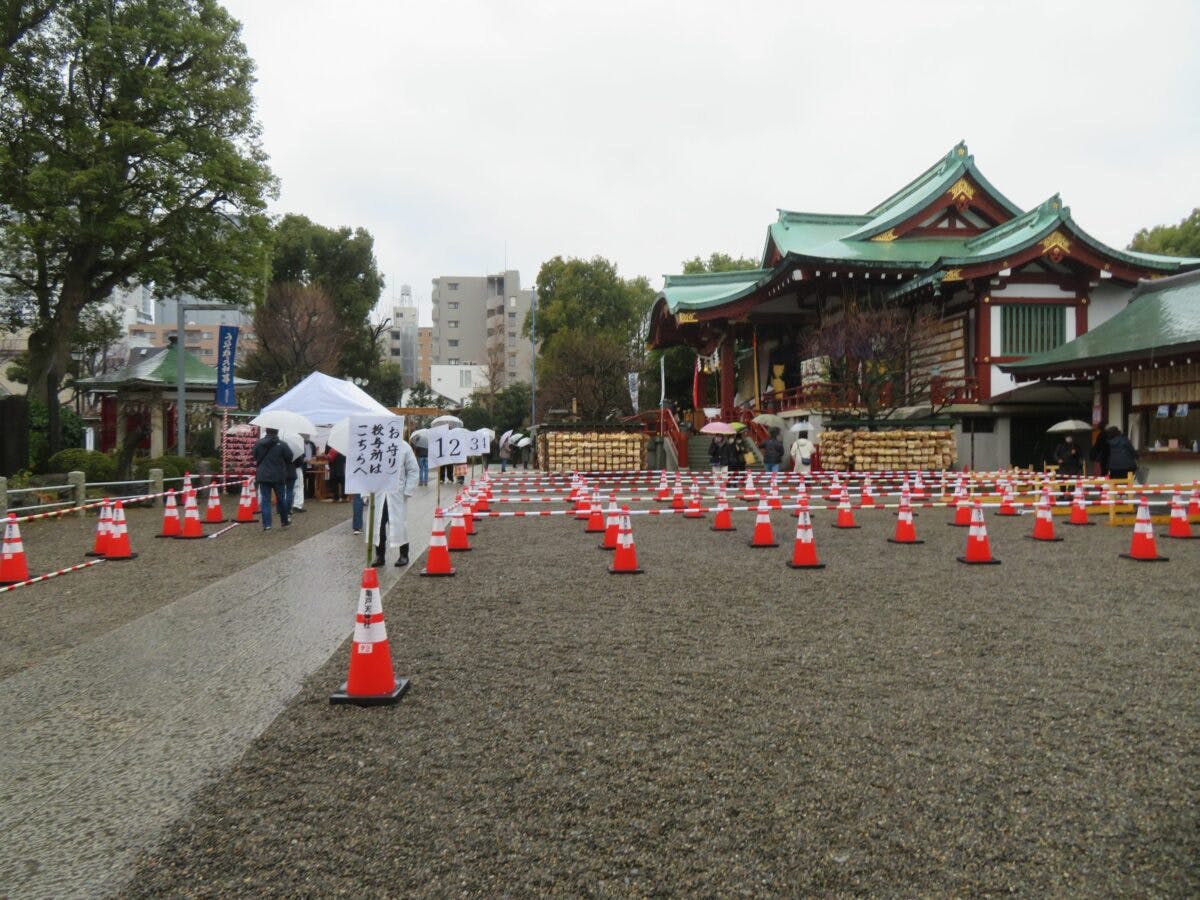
{"x":226,"y":358}
{"x":373,"y":463}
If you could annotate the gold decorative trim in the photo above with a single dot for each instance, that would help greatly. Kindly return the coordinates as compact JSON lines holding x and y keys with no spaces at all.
{"x":889,"y":235}
{"x":952,"y":275}
{"x":962,"y":190}
{"x":686,"y":318}
{"x":1056,"y":241}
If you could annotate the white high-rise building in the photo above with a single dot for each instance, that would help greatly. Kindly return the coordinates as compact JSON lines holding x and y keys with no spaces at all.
{"x":402,"y":336}
{"x":477,"y":320}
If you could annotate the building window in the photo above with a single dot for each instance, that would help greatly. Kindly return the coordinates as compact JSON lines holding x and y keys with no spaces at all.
{"x":395,"y":335}
{"x":464,"y":378}
{"x":513,"y":315}
{"x":395,"y":351}
{"x":452,"y":285}
{"x":453,"y":304}
{"x":206,"y":336}
{"x":1028,"y":328}
{"x":453,"y":342}
{"x":452,"y":361}
{"x":452,"y":323}
{"x":512,"y":340}
{"x":512,"y":301}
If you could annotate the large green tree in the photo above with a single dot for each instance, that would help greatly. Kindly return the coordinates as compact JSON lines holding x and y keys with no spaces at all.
{"x":718,"y":262}
{"x":342,"y":262}
{"x":1171,"y":240}
{"x":129,"y":152}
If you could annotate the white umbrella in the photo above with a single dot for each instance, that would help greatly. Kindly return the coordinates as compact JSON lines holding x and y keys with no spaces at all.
{"x":770,"y":420}
{"x":283,"y":420}
{"x":339,"y":437}
{"x":295,"y":443}
{"x":419,"y":438}
{"x":447,"y":420}
{"x":491,"y":433}
{"x":504,"y":437}
{"x":1067,"y":426}
{"x":800,"y":427}
{"x":524,"y":442}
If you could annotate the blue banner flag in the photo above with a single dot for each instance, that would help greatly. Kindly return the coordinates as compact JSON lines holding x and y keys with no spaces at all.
{"x":226,"y":354}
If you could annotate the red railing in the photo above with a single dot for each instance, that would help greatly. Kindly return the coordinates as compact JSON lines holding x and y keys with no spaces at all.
{"x":662,"y":423}
{"x":825,"y":395}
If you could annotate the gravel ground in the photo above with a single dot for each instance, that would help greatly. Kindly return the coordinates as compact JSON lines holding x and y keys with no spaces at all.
{"x":897,"y":723}
{"x":92,"y":601}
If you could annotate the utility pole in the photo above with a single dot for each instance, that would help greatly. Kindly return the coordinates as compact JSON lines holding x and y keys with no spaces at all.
{"x":180,"y":376}
{"x":533,"y":360}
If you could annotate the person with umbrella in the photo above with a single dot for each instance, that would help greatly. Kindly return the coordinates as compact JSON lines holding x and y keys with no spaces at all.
{"x":419,"y":440}
{"x":772,"y":451}
{"x":275,"y":468}
{"x":1068,"y":457}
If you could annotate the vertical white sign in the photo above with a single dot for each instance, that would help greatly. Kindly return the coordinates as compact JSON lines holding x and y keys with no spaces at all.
{"x":447,"y":446}
{"x":373,"y":463}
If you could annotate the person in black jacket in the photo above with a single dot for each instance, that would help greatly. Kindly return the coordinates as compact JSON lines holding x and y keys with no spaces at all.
{"x":1122,"y":457}
{"x":275,"y":468}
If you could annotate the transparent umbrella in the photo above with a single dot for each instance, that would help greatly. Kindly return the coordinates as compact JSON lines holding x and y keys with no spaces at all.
{"x":1068,"y":426}
{"x":447,"y":420}
{"x":285,"y":421}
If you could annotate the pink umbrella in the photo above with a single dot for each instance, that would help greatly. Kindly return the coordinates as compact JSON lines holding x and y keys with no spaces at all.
{"x":718,"y":428}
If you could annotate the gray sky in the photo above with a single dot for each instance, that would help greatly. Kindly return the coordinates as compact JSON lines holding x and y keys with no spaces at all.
{"x":649,"y":132}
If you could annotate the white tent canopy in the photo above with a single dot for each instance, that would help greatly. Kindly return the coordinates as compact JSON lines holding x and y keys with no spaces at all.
{"x":326,"y":400}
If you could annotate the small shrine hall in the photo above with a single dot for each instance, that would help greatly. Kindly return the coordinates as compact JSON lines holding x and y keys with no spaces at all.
{"x":996,"y":282}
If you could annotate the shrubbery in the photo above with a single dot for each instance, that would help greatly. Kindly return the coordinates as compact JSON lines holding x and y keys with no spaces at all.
{"x":95,"y":466}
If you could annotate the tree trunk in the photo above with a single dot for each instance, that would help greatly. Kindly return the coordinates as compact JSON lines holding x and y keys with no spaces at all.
{"x":49,"y":352}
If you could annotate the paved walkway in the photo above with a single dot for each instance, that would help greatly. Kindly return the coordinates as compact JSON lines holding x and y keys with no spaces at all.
{"x":102,"y":746}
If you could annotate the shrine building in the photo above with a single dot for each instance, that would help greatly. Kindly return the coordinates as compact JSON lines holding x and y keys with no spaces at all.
{"x":991,"y":283}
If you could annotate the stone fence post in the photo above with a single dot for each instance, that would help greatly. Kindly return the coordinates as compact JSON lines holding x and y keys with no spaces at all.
{"x":156,"y":481}
{"x":78,"y":482}
{"x":3,"y":496}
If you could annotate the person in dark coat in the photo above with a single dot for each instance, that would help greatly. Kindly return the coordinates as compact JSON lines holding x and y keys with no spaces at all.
{"x":275,"y":469}
{"x":772,"y":451}
{"x":337,"y":474}
{"x":716,"y":451}
{"x":1122,"y":457}
{"x":735,"y":450}
{"x":1068,"y":457}
{"x":1099,"y":452}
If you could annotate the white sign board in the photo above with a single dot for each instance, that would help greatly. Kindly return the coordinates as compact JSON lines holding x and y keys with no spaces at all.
{"x":479,"y":443}
{"x":373,"y":463}
{"x":447,"y":446}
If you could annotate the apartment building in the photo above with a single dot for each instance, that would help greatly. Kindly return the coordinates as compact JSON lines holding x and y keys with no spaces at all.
{"x":477,"y":320}
{"x":199,"y":340}
{"x":425,"y":353}
{"x":402,"y":340}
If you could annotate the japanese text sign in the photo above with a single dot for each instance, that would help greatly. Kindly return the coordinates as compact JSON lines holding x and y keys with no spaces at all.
{"x":226,"y":355}
{"x":373,"y":463}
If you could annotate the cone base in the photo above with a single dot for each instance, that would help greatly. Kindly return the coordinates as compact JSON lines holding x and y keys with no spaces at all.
{"x":6,"y":582}
{"x":715,"y":528}
{"x":894,"y":541}
{"x":459,"y":549}
{"x":978,"y":562}
{"x":847,"y":527}
{"x":1145,"y":558}
{"x":957,"y":525}
{"x":590,"y":531}
{"x":1180,"y":537}
{"x":1009,"y":514}
{"x":1053,"y":540}
{"x":792,"y":565}
{"x":341,"y":698}
{"x":602,"y":547}
{"x":425,"y":574}
{"x":190,"y":537}
{"x":1080,"y":524}
{"x":120,"y":558}
{"x":612,"y":571}
{"x":754,"y":546}
{"x":157,"y":536}
{"x":215,"y":521}
{"x":101,"y":552}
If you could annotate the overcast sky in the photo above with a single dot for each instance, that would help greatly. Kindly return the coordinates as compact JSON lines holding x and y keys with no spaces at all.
{"x":649,"y":132}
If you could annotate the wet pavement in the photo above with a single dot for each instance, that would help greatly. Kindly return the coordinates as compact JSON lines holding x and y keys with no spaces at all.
{"x":104,"y":744}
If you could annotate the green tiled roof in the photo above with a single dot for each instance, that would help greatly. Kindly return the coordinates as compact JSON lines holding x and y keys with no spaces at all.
{"x":1162,"y":316}
{"x":158,"y":369}
{"x":693,"y":292}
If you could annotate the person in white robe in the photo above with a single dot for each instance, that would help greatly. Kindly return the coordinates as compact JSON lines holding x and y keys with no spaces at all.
{"x":391,"y":510}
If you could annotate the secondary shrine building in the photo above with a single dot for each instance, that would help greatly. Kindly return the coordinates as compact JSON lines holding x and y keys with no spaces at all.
{"x":991,"y":284}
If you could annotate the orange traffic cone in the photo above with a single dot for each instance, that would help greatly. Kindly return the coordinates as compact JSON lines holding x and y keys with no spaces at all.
{"x":13,"y":567}
{"x":625,"y":559}
{"x":1193,"y":508}
{"x":1007,"y":508}
{"x":372,"y":681}
{"x":677,"y":494}
{"x":191,"y":519}
{"x":245,"y":510}
{"x":906,"y":531}
{"x":979,"y":550}
{"x":1079,"y":513}
{"x":748,"y":491}
{"x":118,"y":543}
{"x":845,"y":516}
{"x":962,"y":512}
{"x":763,"y":535}
{"x":723,"y":520}
{"x":103,"y":527}
{"x":252,"y":487}
{"x":595,"y":522}
{"x":437,"y":560}
{"x":1180,"y":528}
{"x":1143,"y":548}
{"x":694,"y":509}
{"x":213,"y":514}
{"x":868,"y":495}
{"x":468,"y":514}
{"x":612,"y":526}
{"x":801,"y":497}
{"x":457,"y":538}
{"x":481,"y":501}
{"x":1043,"y":523}
{"x":774,"y":501}
{"x":170,"y":523}
{"x":804,"y":551}
{"x":664,"y":488}
{"x":187,"y":481}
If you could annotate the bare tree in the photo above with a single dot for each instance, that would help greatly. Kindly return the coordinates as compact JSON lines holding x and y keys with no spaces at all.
{"x":589,"y":369}
{"x":298,"y":333}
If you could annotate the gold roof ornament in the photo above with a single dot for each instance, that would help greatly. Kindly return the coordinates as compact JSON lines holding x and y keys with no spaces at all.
{"x":1057,"y":240}
{"x":962,"y":190}
{"x":686,"y":318}
{"x":952,"y":275}
{"x":889,"y":235}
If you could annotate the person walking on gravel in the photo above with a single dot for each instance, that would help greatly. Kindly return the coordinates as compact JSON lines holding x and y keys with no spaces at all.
{"x":392,"y":507}
{"x":274,"y":461}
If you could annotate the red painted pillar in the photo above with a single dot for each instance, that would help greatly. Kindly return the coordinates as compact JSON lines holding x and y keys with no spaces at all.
{"x":1081,"y":316}
{"x":728,"y":376}
{"x":983,"y":347}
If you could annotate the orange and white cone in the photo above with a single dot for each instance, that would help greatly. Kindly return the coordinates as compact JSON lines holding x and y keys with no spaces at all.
{"x":437,"y":560}
{"x":906,"y":531}
{"x":962,"y":512}
{"x":170,"y":522}
{"x":749,"y":492}
{"x":694,"y":509}
{"x":612,"y":526}
{"x":187,"y":481}
{"x":583,"y":508}
{"x":371,"y":681}
{"x":763,"y":536}
{"x":723,"y":520}
{"x":103,"y":529}
{"x":457,"y":538}
{"x":191,"y":519}
{"x":1043,"y":522}
{"x":13,"y":566}
{"x":595,"y":522}
{"x":677,"y":494}
{"x":979,"y":550}
{"x":213,"y":514}
{"x":468,"y":514}
{"x":118,"y":542}
{"x":845,"y":514}
{"x":868,"y":494}
{"x":1079,"y":514}
{"x":1143,"y":548}
{"x":1193,"y":507}
{"x":774,"y":500}
{"x":1007,"y":508}
{"x":1179,"y":529}
{"x":664,"y":488}
{"x":804,"y":551}
{"x":801,"y":498}
{"x":252,"y":487}
{"x":625,"y":558}
{"x":245,"y":510}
